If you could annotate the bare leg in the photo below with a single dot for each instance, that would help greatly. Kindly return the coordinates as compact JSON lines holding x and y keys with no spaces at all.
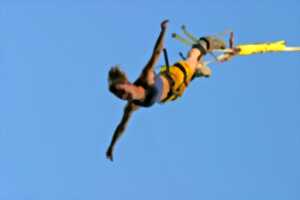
{"x":148,"y":72}
{"x":128,"y":110}
{"x":193,"y":57}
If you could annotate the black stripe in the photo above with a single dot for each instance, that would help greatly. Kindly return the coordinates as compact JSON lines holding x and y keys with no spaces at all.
{"x":171,"y":85}
{"x":200,"y":48}
{"x":207,"y":42}
{"x":171,"y":92}
{"x":183,"y":71}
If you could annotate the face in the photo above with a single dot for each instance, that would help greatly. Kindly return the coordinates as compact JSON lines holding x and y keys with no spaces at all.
{"x":122,"y":93}
{"x":126,"y":96}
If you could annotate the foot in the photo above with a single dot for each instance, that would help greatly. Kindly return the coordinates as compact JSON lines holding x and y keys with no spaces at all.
{"x":213,"y":43}
{"x":203,"y":71}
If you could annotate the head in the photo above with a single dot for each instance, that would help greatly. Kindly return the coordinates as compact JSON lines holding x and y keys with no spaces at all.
{"x":116,"y":81}
{"x":122,"y":91}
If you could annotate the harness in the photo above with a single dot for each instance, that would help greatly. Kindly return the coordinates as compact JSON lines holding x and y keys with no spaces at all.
{"x":178,"y":76}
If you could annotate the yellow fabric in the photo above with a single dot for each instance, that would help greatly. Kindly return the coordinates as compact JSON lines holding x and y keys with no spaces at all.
{"x":178,"y":77}
{"x":248,"y":49}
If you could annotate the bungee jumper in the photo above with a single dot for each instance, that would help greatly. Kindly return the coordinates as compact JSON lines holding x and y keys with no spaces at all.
{"x":171,"y":82}
{"x":167,"y":85}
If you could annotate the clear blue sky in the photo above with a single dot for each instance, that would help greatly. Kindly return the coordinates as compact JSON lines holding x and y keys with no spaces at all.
{"x":235,"y":136}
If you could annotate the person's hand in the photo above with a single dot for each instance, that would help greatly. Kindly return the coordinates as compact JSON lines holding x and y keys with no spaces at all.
{"x":164,"y":24}
{"x":109,"y":154}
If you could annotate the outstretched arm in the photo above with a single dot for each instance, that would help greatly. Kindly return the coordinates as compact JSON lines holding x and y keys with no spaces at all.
{"x":156,"y":52}
{"x":128,"y":110}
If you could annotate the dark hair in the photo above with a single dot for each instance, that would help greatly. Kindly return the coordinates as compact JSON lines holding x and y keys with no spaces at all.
{"x":115,"y":77}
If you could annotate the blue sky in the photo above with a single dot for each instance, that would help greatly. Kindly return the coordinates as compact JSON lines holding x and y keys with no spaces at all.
{"x":234,"y":136}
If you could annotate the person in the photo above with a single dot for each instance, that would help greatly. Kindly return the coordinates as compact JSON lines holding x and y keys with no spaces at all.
{"x":151,"y":87}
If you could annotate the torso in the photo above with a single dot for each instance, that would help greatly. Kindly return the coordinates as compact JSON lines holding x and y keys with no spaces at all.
{"x":166,"y":87}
